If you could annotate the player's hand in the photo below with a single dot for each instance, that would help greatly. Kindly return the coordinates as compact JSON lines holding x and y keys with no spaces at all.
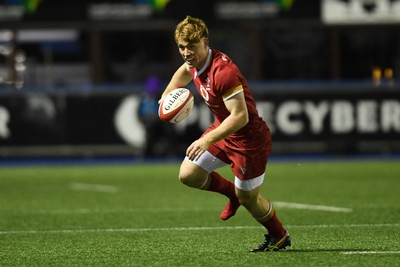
{"x":197,"y":148}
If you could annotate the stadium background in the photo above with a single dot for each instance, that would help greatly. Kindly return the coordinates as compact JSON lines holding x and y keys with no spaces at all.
{"x":82,"y":78}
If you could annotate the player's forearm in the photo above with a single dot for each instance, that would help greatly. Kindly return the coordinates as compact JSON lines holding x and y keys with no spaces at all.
{"x":181,"y":78}
{"x":230,"y":125}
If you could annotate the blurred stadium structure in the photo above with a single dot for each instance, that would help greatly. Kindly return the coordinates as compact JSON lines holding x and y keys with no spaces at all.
{"x":13,"y":72}
{"x":325,"y":73}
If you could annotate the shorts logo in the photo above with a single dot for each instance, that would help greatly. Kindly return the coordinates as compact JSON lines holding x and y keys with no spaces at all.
{"x":243,"y":170}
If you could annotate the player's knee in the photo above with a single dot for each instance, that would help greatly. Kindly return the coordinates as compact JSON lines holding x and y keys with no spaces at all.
{"x":187,"y":178}
{"x":192,"y":179}
{"x":184,"y":178}
{"x":192,"y":175}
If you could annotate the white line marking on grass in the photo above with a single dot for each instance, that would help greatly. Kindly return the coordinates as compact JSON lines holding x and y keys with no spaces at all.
{"x":171,"y":229}
{"x":369,"y":252}
{"x":94,"y":187}
{"x":311,"y":207}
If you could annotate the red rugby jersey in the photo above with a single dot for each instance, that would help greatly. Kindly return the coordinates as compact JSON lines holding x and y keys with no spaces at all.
{"x":221,"y":79}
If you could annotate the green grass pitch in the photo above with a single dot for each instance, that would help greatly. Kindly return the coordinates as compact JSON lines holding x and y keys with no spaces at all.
{"x":339,"y":213}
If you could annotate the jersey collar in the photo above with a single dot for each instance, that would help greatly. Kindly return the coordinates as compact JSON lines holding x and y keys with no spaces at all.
{"x":205,"y":65}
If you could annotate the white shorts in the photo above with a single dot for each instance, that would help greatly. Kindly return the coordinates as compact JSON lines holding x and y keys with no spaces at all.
{"x":209,"y":163}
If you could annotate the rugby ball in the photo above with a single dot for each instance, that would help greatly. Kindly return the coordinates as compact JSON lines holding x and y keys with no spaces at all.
{"x":176,"y":105}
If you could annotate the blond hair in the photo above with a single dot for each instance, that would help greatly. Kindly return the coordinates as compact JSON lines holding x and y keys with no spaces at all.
{"x":191,"y":30}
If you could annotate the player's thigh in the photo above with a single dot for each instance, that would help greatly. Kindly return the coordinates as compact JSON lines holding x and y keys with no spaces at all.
{"x":209,"y":161}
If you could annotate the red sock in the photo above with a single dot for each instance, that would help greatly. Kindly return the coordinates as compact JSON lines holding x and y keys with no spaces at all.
{"x":227,"y":188}
{"x":274,"y":226}
{"x":221,"y":185}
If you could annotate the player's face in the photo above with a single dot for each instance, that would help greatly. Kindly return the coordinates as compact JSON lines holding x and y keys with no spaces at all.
{"x":194,"y":54}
